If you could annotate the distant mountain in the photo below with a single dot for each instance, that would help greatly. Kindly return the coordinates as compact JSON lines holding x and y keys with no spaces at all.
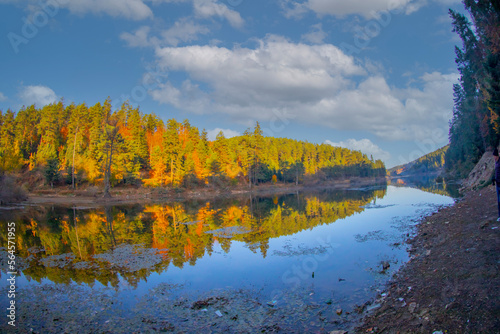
{"x":431,"y":163}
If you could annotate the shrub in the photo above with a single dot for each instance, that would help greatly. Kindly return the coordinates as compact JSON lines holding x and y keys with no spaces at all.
{"x":9,"y":191}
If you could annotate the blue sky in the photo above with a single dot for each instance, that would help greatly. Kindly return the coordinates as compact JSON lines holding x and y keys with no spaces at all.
{"x":374,"y":75}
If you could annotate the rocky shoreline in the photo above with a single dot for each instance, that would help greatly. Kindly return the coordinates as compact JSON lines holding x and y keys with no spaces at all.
{"x":451,"y":283}
{"x":92,"y":196}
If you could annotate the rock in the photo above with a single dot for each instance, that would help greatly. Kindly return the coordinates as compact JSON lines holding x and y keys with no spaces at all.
{"x":485,"y":223}
{"x":338,"y":311}
{"x":412,"y":307}
{"x":338,"y":332}
{"x":385,"y":265}
{"x":423,"y":312}
{"x":480,"y":175}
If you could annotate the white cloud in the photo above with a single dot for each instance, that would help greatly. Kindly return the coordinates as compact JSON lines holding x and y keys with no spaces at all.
{"x":293,"y":9}
{"x":129,"y":9}
{"x":366,"y":146}
{"x":316,"y":36}
{"x":228,"y":133}
{"x":314,"y":84}
{"x":341,"y":8}
{"x":184,"y":30}
{"x":276,"y":72}
{"x":38,"y":95}
{"x":210,"y":8}
{"x":139,"y":38}
{"x":2,"y":97}
{"x":367,"y":9}
{"x":188,"y":97}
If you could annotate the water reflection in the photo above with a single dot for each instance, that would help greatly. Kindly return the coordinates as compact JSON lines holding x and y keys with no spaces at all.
{"x":88,"y":245}
{"x":428,"y":183}
{"x":259,"y":264}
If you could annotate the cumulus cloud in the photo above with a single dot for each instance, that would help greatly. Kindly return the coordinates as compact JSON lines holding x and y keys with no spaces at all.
{"x":140,"y":37}
{"x":314,"y":84}
{"x":184,"y":30}
{"x":188,"y":97}
{"x":211,"y":8}
{"x":366,"y":146}
{"x":2,"y":97}
{"x":38,"y":95}
{"x":228,"y":133}
{"x":367,"y":9}
{"x":276,"y":72}
{"x":316,"y":36}
{"x":136,"y":9}
{"x":129,"y":9}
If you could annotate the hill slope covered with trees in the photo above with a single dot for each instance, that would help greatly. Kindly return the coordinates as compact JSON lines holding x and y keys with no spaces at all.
{"x":78,"y":144}
{"x":430,"y":163}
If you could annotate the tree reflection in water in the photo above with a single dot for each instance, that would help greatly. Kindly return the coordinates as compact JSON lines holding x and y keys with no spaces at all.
{"x":98,"y":244}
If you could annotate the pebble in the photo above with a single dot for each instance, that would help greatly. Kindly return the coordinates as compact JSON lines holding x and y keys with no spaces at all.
{"x":412,"y":306}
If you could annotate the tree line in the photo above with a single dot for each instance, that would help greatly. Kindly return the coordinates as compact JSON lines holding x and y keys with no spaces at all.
{"x":78,"y":144}
{"x":475,"y":126}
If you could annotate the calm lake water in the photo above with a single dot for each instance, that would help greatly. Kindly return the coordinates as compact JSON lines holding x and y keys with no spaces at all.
{"x":256,"y":264}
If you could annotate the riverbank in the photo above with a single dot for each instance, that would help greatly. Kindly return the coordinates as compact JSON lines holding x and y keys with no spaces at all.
{"x":93,"y":196}
{"x":451,"y":283}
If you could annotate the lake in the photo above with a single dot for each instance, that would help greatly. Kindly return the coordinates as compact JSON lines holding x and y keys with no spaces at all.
{"x":305,"y":262}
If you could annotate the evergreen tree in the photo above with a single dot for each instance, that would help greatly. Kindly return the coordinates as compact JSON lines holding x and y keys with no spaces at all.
{"x":475,"y":124}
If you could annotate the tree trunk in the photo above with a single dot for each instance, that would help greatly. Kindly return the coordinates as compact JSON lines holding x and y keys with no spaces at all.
{"x":297,"y":175}
{"x":249,"y":178}
{"x":107,"y":172}
{"x":172,"y":171}
{"x":73,"y":164}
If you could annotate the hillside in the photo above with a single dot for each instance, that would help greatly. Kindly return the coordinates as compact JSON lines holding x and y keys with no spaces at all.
{"x":431,"y":163}
{"x":79,"y":145}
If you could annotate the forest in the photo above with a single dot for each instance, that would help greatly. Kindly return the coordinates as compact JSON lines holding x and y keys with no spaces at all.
{"x":475,"y":126}
{"x":430,"y":163}
{"x":76,"y":145}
